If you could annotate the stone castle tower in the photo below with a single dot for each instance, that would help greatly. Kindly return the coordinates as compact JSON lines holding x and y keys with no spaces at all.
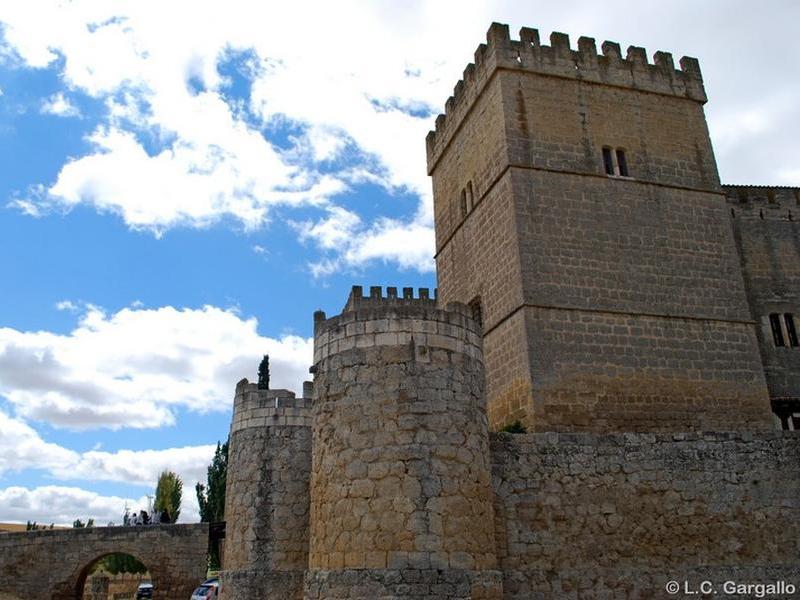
{"x":579,"y":212}
{"x":597,"y":283}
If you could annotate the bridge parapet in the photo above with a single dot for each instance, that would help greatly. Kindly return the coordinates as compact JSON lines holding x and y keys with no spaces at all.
{"x":53,"y":564}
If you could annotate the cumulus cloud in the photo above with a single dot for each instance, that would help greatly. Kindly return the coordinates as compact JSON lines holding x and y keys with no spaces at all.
{"x":351,"y":243}
{"x":67,"y":305}
{"x":212,"y":159}
{"x":59,"y":106}
{"x":358,"y":86}
{"x":61,"y":505}
{"x":21,"y":448}
{"x":133,"y":368}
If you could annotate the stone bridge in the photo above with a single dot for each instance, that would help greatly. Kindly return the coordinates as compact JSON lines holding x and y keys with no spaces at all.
{"x":53,"y":564}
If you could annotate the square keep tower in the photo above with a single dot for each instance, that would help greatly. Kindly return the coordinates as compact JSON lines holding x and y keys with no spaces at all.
{"x":579,"y":213}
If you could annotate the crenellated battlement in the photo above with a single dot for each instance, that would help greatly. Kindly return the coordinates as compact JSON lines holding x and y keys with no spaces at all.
{"x":608,"y":67}
{"x":253,"y":407}
{"x":376,"y":298}
{"x":782,"y":202}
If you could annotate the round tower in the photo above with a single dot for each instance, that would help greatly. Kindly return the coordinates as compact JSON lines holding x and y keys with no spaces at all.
{"x":400,"y":481}
{"x":266,"y":495}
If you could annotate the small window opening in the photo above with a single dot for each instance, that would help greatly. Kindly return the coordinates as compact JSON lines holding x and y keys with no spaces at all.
{"x":463,"y":203}
{"x":622,"y":163}
{"x":788,"y":413}
{"x":476,"y":311}
{"x":615,"y":162}
{"x":608,"y":160}
{"x":470,"y":197}
{"x":777,"y":331}
{"x":791,"y":331}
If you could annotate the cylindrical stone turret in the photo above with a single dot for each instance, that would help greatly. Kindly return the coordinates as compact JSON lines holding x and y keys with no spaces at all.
{"x":401,"y":500}
{"x":266,"y":499}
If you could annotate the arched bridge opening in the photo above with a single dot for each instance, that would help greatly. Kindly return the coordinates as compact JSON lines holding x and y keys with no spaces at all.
{"x":110,"y":575}
{"x":54,"y":564}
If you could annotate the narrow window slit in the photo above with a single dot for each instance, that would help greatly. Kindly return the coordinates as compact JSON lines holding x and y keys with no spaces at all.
{"x":777,"y":331}
{"x":791,"y":331}
{"x":622,"y":163}
{"x":608,"y":160}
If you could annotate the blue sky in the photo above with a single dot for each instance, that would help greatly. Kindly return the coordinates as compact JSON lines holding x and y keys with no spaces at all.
{"x":182,"y":185}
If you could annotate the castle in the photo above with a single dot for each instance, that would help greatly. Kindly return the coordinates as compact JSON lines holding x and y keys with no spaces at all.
{"x":596,"y":283}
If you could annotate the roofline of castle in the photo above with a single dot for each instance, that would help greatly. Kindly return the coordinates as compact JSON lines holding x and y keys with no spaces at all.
{"x":558,"y":59}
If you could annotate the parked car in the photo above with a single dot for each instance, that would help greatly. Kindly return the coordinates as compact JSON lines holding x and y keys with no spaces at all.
{"x":145,"y":591}
{"x":208,"y":590}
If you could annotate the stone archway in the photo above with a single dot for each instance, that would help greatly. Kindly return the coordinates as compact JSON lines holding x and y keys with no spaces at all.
{"x":52,"y":564}
{"x":85,"y":575}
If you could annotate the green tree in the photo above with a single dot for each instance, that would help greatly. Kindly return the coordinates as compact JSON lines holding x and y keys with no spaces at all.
{"x":121,"y":563}
{"x":211,"y":498}
{"x":169,"y":492}
{"x":78,"y":523}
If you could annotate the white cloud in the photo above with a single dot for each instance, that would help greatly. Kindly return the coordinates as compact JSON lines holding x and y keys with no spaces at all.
{"x":359,"y":81}
{"x":351,"y":243}
{"x":212,"y":162}
{"x":62,"y":505}
{"x":21,"y":448}
{"x":133,"y":368}
{"x":60,"y":106}
{"x":67,"y":305}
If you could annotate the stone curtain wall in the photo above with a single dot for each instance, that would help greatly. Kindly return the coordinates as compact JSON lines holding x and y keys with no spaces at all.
{"x":266,"y":501}
{"x":400,"y":485}
{"x":766,"y":222}
{"x":54,"y":564}
{"x":621,"y":515}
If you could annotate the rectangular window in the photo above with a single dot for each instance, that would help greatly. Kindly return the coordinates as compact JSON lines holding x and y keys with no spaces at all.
{"x":777,"y":332}
{"x":622,"y":163}
{"x":463,"y":203}
{"x":791,"y":331}
{"x":608,"y":160}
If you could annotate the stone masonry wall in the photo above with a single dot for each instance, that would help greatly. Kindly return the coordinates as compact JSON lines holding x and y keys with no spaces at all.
{"x":266,"y":501}
{"x":550,"y":230}
{"x":634,"y":294}
{"x":766,"y":222}
{"x":586,"y":515}
{"x":53,"y":564}
{"x":595,"y":371}
{"x":400,"y":491}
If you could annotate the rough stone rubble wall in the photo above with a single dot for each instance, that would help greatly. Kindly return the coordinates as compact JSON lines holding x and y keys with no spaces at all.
{"x":53,"y":564}
{"x":400,"y":486}
{"x":621,"y":515}
{"x":266,"y":503}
